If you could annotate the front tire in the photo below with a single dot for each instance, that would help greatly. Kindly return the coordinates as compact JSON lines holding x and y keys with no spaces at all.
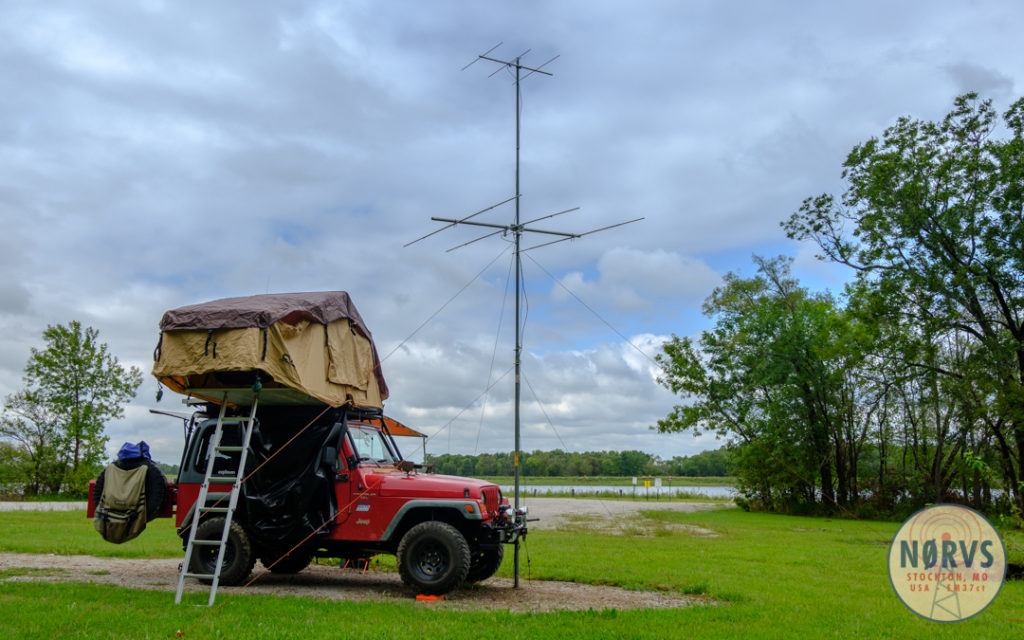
{"x":484,"y":563}
{"x":433,"y":557}
{"x":238,"y":555}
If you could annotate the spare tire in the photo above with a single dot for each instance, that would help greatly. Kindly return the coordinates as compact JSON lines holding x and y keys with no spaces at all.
{"x":156,"y":484}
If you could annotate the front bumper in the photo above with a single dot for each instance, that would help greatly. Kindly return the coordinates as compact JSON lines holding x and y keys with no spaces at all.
{"x":511,"y":524}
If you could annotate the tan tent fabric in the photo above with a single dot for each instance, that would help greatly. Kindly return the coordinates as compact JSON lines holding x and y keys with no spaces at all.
{"x":304,"y":353}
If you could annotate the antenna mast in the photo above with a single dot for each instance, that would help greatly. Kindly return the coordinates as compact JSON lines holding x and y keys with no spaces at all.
{"x":517,"y":229}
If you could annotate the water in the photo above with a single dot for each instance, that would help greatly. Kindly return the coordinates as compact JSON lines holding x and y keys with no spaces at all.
{"x":627,"y":492}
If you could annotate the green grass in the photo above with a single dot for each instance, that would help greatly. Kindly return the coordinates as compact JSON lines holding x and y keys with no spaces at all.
{"x":772,"y":577}
{"x":71,"y":533}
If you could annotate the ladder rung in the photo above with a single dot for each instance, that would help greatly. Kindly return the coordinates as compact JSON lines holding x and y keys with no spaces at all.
{"x":215,"y":477}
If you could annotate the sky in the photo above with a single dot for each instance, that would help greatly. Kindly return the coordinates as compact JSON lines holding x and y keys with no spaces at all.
{"x":158,"y":154}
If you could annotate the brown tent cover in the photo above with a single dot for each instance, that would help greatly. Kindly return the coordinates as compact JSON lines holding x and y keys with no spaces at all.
{"x":308,"y":347}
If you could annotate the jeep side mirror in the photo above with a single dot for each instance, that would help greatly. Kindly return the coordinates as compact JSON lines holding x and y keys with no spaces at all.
{"x":329,"y":458}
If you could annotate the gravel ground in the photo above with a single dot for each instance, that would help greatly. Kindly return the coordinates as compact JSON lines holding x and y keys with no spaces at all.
{"x":556,"y":512}
{"x":331,"y":583}
{"x":43,"y":506}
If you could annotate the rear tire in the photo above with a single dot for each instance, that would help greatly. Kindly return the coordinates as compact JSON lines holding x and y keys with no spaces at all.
{"x":238,"y":555}
{"x":433,"y":557}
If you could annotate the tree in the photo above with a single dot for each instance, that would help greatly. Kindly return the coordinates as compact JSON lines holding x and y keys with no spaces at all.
{"x":932,"y":222}
{"x":12,"y":466}
{"x":73,"y":386}
{"x":37,"y":435}
{"x":775,"y":375}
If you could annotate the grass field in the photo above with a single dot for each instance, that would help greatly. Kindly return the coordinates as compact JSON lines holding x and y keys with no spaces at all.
{"x":771,"y":577}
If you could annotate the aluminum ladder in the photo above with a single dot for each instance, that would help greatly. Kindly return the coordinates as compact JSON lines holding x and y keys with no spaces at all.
{"x":201,"y":508}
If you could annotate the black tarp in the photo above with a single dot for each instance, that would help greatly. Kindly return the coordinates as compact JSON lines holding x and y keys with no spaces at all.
{"x":292,"y":493}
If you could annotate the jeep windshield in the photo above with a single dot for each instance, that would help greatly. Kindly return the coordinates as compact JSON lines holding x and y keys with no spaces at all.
{"x":370,"y":445}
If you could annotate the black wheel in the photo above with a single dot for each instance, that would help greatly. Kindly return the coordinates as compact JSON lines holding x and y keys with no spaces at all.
{"x":483,"y":563}
{"x":433,"y":557}
{"x":238,"y":556}
{"x":156,"y":485}
{"x":294,"y":562}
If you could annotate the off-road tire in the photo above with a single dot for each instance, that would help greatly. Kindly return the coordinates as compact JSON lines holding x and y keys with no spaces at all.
{"x":239,"y":558}
{"x":294,"y":562}
{"x":156,"y":485}
{"x":483,"y":563}
{"x":433,"y":558}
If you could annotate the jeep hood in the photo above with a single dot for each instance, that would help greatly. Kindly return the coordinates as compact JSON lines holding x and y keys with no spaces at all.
{"x":429,"y":485}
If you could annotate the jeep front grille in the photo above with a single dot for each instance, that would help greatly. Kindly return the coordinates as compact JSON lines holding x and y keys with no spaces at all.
{"x":491,"y":499}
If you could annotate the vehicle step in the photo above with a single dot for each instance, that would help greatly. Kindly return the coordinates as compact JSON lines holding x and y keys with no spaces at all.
{"x":229,"y":449}
{"x":201,"y":576}
{"x":223,"y":479}
{"x":213,"y":509}
{"x":206,"y":543}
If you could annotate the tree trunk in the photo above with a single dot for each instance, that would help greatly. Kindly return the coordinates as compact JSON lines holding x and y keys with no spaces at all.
{"x":1018,"y":485}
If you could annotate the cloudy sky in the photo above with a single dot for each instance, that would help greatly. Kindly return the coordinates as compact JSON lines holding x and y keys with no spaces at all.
{"x":156,"y":154}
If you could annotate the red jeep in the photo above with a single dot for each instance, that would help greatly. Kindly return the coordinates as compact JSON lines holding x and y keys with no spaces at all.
{"x":323,"y":476}
{"x":331,"y":483}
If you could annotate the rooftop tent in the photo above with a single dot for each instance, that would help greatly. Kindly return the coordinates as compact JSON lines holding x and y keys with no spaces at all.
{"x":303,"y":348}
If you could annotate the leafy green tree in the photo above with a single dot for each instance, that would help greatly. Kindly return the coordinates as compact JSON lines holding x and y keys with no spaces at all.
{"x":632,"y":463}
{"x":12,"y":467}
{"x":774,"y":375}
{"x":37,"y":436}
{"x":73,"y":386}
{"x":717,"y":462}
{"x":932,"y":222}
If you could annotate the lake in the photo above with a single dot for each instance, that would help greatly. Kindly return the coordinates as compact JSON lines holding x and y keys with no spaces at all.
{"x":626,"y":492}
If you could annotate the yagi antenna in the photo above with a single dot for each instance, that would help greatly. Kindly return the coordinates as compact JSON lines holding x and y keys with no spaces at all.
{"x":516,"y":229}
{"x":455,"y":222}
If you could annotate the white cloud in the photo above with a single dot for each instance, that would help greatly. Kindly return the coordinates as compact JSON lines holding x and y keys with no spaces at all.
{"x":160,"y":154}
{"x":634,"y":280}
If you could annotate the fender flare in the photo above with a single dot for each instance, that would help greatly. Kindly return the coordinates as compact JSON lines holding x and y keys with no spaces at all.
{"x":458,"y":506}
{"x":211,"y":498}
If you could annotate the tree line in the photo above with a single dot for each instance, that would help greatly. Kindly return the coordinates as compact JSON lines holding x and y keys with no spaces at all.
{"x":585,"y":464}
{"x":907,"y":389}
